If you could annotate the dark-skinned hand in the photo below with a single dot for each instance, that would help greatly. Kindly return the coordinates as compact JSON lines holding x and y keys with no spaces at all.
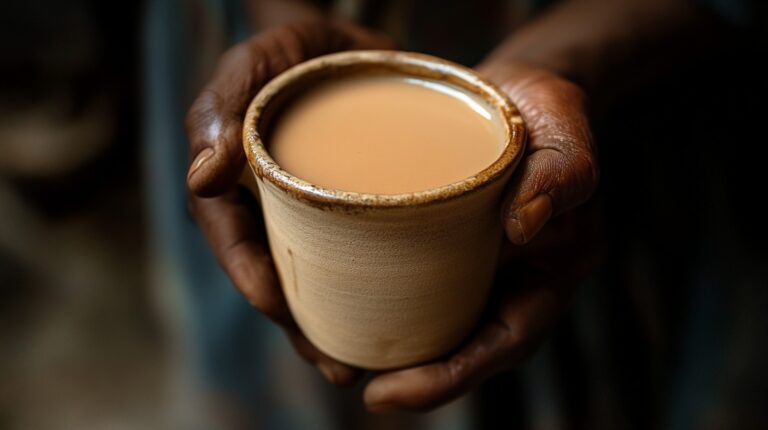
{"x":550,"y":245}
{"x":544,"y":259}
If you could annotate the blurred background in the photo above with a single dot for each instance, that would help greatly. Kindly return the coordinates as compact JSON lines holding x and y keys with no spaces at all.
{"x":80,"y":345}
{"x":96,"y":328}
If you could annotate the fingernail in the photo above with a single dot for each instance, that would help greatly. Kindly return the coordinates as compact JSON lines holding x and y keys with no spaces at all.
{"x":523,"y":224}
{"x":381,"y":408}
{"x":201,"y":159}
{"x":327,"y":371}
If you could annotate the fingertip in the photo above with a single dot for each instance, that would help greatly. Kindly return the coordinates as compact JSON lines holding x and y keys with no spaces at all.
{"x":347,"y":376}
{"x":214,"y":171}
{"x":412,"y":388}
{"x":199,"y":164}
{"x":524,"y":223}
{"x":338,"y":373}
{"x":416,"y":389}
{"x":377,"y":394}
{"x":515,"y":231}
{"x":335,"y":372}
{"x":327,"y":372}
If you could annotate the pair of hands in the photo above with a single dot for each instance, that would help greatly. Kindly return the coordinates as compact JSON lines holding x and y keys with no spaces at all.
{"x":557,"y":174}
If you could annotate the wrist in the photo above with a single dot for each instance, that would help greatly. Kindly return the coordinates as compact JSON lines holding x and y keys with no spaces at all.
{"x":263,"y":14}
{"x":607,"y":49}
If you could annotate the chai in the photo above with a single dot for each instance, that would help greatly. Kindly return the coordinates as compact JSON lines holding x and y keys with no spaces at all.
{"x":386,"y":135}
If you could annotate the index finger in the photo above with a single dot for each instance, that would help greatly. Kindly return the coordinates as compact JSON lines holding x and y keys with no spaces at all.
{"x":214,"y":121}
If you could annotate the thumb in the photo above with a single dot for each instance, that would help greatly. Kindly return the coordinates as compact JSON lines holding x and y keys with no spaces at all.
{"x":560,"y":170}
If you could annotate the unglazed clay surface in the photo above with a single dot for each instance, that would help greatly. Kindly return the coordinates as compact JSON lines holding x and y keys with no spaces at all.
{"x":382,"y":281}
{"x":385,"y":288}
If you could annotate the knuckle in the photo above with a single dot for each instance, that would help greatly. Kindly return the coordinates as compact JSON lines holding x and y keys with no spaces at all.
{"x":455,"y":372}
{"x":510,"y":339}
{"x":200,"y":113}
{"x":191,"y":118}
{"x":513,"y":339}
{"x":565,"y":89}
{"x":569,"y":97}
{"x":573,"y":91}
{"x":281,"y":47}
{"x":234,"y":56}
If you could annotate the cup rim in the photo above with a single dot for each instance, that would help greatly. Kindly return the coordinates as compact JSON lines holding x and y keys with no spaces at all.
{"x":396,"y":62}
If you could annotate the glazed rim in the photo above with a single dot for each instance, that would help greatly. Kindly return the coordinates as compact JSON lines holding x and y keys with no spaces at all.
{"x":281,"y":88}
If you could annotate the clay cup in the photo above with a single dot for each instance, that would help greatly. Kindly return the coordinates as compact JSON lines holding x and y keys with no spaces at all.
{"x":382,"y":281}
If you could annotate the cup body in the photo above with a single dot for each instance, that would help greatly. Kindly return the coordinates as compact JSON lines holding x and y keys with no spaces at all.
{"x":382,"y":281}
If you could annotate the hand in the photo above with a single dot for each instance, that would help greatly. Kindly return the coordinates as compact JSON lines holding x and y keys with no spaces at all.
{"x":541,"y":262}
{"x":226,"y":213}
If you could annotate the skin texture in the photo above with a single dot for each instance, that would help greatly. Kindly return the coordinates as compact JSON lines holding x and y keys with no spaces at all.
{"x":549,"y":229}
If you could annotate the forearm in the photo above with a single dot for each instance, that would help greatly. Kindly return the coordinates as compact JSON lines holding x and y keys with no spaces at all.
{"x":607,"y":47}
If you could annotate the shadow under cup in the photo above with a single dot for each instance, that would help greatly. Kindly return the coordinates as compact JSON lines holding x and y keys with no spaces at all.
{"x":382,"y":281}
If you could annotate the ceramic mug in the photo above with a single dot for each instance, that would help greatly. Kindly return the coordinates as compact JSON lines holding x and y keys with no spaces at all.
{"x":382,"y":281}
